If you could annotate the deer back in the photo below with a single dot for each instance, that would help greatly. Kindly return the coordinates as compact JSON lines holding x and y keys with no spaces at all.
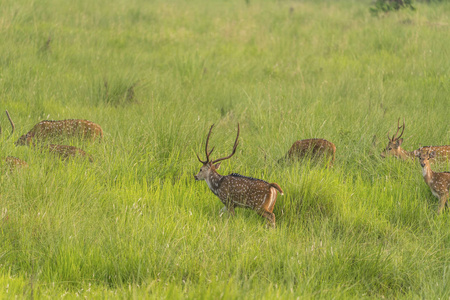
{"x":313,"y":147}
{"x":441,"y":153}
{"x":63,"y":128}
{"x":245,"y":191}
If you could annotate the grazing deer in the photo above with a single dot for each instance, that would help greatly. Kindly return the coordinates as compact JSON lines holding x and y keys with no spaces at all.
{"x":442,"y":153}
{"x":311,"y":147}
{"x":235,"y":190}
{"x":439,"y":183}
{"x":63,"y":128}
{"x":65,"y":151}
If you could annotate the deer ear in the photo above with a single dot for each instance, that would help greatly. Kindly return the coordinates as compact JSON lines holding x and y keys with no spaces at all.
{"x":400,"y":141}
{"x":217,"y":166}
{"x":416,"y":153}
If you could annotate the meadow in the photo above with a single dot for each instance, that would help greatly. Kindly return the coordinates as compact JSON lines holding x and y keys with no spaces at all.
{"x":155,"y":75}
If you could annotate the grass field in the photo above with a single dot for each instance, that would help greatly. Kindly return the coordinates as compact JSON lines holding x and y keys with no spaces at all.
{"x":155,"y":75}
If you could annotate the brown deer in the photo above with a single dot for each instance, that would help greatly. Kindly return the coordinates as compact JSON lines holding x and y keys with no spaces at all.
{"x":64,"y":128}
{"x":235,"y":190}
{"x":439,"y":183}
{"x":442,"y":153}
{"x":314,"y":148}
{"x":66,"y":152}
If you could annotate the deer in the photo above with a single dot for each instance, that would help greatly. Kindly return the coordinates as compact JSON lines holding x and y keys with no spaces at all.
{"x":439,"y":182}
{"x":442,"y":153}
{"x":62,"y":128}
{"x":235,"y":190}
{"x":311,"y":147}
{"x":11,"y":161}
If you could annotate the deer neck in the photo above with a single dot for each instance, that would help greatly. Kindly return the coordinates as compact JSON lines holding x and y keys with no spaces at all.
{"x":405,"y":154}
{"x":427,"y":173}
{"x":213,"y":181}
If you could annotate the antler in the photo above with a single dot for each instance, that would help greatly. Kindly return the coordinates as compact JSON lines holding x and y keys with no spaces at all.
{"x":394,"y":137}
{"x":232,"y":153}
{"x":12,"y":125}
{"x":206,"y":148}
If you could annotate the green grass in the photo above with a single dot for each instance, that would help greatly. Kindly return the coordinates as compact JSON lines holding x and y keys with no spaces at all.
{"x":155,"y":75}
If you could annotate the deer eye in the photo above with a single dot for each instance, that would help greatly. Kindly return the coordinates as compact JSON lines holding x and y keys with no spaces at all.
{"x":390,"y":148}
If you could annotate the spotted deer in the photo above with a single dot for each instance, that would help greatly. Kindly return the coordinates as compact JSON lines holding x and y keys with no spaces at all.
{"x":439,"y":183}
{"x":442,"y":153}
{"x":12,"y":162}
{"x":315,"y":148}
{"x":235,"y":190}
{"x":66,"y":152}
{"x":15,"y":163}
{"x":49,"y":129}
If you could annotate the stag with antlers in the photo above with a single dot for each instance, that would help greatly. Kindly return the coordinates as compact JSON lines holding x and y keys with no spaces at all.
{"x":441,"y":153}
{"x":235,"y":190}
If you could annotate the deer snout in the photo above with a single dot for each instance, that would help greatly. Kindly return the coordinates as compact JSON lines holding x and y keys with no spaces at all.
{"x":196,"y":178}
{"x":382,"y":155}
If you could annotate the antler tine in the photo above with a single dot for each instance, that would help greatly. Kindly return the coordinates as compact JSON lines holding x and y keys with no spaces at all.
{"x":206,"y":147}
{"x":403,"y":130}
{"x":236,"y":143}
{"x":12,"y":124}
{"x":394,"y":137}
{"x":200,"y":159}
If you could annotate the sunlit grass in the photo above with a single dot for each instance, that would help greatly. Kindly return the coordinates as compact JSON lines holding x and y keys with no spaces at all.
{"x":135,"y":224}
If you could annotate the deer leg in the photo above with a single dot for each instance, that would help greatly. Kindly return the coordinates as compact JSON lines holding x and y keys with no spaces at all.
{"x":231,"y":209}
{"x":270,"y":217}
{"x":227,"y":208}
{"x":222,"y":210}
{"x":442,"y":201}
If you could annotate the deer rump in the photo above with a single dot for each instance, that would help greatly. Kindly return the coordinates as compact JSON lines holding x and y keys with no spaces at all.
{"x":247,"y":192}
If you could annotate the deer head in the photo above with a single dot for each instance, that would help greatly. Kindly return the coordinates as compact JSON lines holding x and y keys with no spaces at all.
{"x":210,"y":166}
{"x":393,"y":148}
{"x":424,"y":155}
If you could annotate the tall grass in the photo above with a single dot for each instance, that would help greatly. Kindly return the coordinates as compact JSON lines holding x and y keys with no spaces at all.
{"x":156,"y":75}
